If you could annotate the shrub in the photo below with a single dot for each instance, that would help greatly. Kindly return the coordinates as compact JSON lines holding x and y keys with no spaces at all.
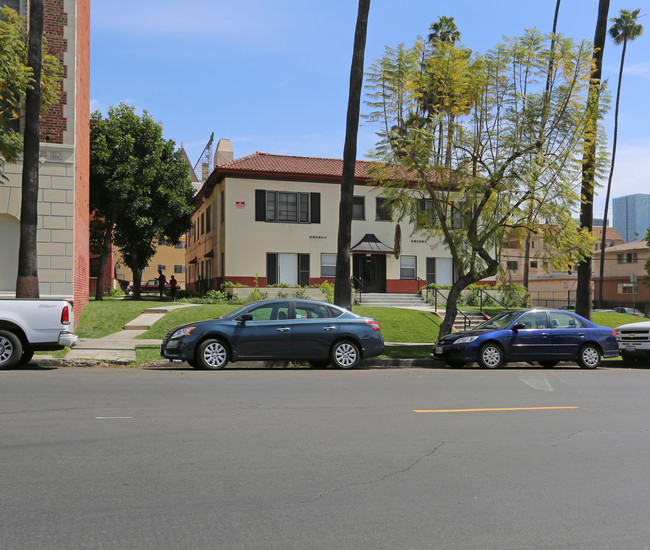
{"x":256,"y":295}
{"x":515,"y":296}
{"x":301,"y":294}
{"x":327,"y":289}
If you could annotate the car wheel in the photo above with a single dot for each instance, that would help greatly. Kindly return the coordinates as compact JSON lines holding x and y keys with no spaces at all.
{"x":212,"y":354}
{"x":548,"y":364}
{"x":319,"y":364}
{"x":345,"y":355}
{"x":456,"y":364}
{"x":490,"y":356}
{"x":588,"y":357}
{"x":11,"y":349}
{"x":26,"y":357}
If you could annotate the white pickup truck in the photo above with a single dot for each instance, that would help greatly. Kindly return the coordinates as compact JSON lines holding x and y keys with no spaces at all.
{"x":634,"y":341}
{"x":29,"y":325}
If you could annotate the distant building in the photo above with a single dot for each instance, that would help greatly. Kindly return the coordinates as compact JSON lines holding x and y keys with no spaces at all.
{"x":631,"y":216}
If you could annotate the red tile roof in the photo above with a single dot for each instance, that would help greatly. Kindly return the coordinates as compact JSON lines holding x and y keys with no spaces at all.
{"x":291,"y":167}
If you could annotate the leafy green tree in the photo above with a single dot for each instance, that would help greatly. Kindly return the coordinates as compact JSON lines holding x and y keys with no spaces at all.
{"x":342,"y":290}
{"x":590,"y":160}
{"x":491,"y":106}
{"x":140,"y":190}
{"x":625,"y":29}
{"x":16,"y":78}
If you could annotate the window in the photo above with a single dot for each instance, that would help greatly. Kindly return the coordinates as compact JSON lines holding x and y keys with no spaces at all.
{"x":208,"y":219}
{"x":512,"y":265}
{"x":292,"y":269}
{"x":271,"y":312}
{"x":94,"y":267}
{"x":427,"y":214}
{"x":533,"y":264}
{"x":328,"y":265}
{"x":202,"y":223}
{"x":629,"y":258}
{"x":382,"y":209}
{"x":565,"y":320}
{"x":534,"y":320}
{"x":162,"y":267}
{"x":306,"y":310}
{"x":627,"y":288}
{"x":407,"y":267}
{"x":358,"y":208}
{"x":431,"y":270}
{"x":179,"y":269}
{"x":223,"y":206}
{"x":287,"y":207}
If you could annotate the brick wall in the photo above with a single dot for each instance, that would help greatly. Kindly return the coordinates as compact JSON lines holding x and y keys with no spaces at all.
{"x":82,"y":152}
{"x":53,"y":124}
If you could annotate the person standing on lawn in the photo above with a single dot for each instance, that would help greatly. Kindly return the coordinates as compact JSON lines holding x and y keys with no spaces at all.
{"x":173,"y":284}
{"x":161,"y":282}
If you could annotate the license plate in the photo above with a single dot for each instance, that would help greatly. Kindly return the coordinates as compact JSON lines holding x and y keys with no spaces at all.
{"x":438,"y":349}
{"x":630,"y":348}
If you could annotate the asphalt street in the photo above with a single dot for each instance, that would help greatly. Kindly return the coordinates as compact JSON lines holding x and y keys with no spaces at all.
{"x":324,"y":459}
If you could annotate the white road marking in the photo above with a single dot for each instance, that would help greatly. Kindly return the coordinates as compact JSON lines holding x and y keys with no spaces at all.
{"x":537,"y":383}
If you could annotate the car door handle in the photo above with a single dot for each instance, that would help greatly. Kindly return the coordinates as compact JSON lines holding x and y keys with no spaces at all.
{"x":283,"y":329}
{"x":329,"y":328}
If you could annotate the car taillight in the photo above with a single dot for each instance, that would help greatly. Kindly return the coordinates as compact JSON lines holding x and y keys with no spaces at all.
{"x":374,"y":325}
{"x":65,"y":316}
{"x":614,"y":332}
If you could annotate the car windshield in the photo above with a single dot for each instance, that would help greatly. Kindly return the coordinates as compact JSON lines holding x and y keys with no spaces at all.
{"x":500,"y":321}
{"x":235,"y":312}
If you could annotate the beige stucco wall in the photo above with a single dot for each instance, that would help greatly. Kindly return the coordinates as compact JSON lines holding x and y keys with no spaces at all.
{"x":248,"y":241}
{"x":55,"y":230}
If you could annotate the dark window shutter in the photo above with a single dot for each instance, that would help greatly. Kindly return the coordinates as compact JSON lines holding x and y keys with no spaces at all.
{"x":303,"y":269}
{"x":271,"y":269}
{"x":315,"y":207}
{"x":260,"y":205}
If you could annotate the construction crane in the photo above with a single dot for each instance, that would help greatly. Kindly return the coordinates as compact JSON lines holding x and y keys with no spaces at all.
{"x":206,"y":159}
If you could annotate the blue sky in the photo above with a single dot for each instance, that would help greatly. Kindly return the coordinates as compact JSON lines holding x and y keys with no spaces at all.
{"x":273,"y":76}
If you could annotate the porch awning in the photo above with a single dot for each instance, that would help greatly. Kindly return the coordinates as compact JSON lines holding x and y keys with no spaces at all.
{"x":192,"y":261}
{"x":370,"y":244}
{"x":209,"y":254}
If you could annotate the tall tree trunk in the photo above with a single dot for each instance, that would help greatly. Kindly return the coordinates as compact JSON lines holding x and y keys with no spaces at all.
{"x":106,"y":251}
{"x":583,"y":290}
{"x":609,"y":180}
{"x":342,"y":290}
{"x":27,"y":279}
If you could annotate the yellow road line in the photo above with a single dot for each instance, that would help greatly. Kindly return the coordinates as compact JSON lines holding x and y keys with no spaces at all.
{"x":503,"y":409}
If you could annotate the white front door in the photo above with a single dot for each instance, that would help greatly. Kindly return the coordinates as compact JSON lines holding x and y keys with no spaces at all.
{"x":288,"y":269}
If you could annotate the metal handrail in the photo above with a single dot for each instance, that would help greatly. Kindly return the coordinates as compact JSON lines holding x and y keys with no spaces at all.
{"x":466,"y":320}
{"x":481,"y":292}
{"x":424,"y":285}
{"x":359,"y":289}
{"x":436,"y":291}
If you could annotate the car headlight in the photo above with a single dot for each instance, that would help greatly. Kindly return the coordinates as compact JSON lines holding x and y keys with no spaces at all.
{"x":182,"y":332}
{"x":466,"y":339}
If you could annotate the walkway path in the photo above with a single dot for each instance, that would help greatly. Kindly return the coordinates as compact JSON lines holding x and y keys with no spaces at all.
{"x":120,"y":346}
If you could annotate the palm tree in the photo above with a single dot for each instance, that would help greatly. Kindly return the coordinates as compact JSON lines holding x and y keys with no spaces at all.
{"x":342,"y":291}
{"x":625,"y":28}
{"x":444,"y":30}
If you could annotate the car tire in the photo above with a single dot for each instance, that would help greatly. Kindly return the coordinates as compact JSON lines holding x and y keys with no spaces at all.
{"x":589,"y":356}
{"x":345,"y":355}
{"x":193,"y":363}
{"x":319,"y":364}
{"x":490,"y":356}
{"x":456,"y":364}
{"x":212,"y":354}
{"x":548,"y":364}
{"x":11,"y":349}
{"x":26,"y":357}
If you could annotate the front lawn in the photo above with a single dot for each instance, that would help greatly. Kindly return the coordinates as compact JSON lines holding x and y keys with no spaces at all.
{"x":397,"y":325}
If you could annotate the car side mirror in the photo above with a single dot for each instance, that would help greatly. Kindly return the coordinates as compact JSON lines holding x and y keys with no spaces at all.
{"x":246,"y":317}
{"x":518,"y":326}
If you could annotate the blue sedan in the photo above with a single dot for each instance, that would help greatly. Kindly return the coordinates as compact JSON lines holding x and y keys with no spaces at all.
{"x":547,"y":336}
{"x":277,"y":330}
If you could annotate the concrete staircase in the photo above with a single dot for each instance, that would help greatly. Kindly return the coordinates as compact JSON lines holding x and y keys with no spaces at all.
{"x":468,"y":321}
{"x":392,"y":300}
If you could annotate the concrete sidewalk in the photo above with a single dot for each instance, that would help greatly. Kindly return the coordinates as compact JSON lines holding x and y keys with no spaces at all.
{"x":120,"y":346}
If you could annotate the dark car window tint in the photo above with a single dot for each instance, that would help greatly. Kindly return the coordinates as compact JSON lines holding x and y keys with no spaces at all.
{"x":500,"y":321}
{"x":565,"y":320}
{"x":535,"y":319}
{"x":312,"y":311}
{"x":271,"y":312}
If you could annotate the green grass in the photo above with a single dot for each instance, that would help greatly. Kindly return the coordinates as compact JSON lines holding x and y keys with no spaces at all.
{"x":110,"y":315}
{"x":147,"y":354}
{"x":397,"y":325}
